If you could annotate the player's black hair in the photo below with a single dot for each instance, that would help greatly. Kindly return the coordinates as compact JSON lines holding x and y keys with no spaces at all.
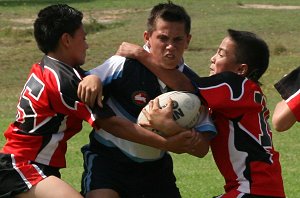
{"x":168,"y":12}
{"x":52,"y":22}
{"x":251,"y":50}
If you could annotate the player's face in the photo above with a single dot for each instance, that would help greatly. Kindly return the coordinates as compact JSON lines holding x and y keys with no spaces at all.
{"x":168,"y":42}
{"x":78,"y":47}
{"x":224,"y":59}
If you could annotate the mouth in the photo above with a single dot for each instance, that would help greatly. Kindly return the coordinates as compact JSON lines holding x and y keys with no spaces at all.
{"x":211,"y":71}
{"x":170,"y":56}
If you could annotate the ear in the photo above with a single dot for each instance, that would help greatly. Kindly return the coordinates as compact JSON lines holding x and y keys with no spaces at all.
{"x":65,"y":39}
{"x":242,"y":69}
{"x":189,"y":37}
{"x":146,"y":38}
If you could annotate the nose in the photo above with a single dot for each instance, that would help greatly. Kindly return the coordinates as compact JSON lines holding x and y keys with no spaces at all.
{"x":213,"y":58}
{"x":170,"y":45}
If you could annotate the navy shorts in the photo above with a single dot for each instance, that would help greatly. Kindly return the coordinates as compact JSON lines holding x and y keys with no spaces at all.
{"x":109,"y":168}
{"x":18,"y":175}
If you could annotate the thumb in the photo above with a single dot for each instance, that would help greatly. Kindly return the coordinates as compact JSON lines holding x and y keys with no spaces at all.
{"x":99,"y":98}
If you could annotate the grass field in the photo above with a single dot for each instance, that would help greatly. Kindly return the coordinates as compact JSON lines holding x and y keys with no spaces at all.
{"x":109,"y":22}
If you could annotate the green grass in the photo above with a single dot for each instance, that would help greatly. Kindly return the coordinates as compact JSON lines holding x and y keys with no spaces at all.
{"x":196,"y":177}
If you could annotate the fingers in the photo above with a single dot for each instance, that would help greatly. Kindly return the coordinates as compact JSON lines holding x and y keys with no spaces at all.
{"x":86,"y":96}
{"x":90,"y":90}
{"x":156,"y":104}
{"x":146,"y":113}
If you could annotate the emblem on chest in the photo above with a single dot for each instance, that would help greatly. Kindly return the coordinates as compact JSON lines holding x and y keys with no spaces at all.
{"x":139,"y":98}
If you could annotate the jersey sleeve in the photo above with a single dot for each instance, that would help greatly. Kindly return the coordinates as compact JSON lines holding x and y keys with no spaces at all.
{"x":289,"y":89}
{"x":229,"y":94}
{"x":61,"y":86}
{"x":111,"y":69}
{"x":205,"y":123}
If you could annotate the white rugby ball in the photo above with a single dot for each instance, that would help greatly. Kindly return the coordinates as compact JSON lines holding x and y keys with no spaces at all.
{"x":186,"y":109}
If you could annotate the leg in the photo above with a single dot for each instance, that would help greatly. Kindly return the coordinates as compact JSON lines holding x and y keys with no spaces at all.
{"x":103,"y":193}
{"x":51,"y":187}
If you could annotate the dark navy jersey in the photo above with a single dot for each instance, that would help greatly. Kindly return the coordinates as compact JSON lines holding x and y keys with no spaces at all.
{"x":243,"y":149}
{"x":127,"y":87}
{"x":48,"y":114}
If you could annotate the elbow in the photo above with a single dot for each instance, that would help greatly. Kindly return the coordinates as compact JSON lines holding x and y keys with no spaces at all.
{"x":278,"y":125}
{"x":201,"y":152}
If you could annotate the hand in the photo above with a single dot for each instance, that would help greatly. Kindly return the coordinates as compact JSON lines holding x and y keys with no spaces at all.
{"x":130,"y":50}
{"x":190,"y":142}
{"x":182,"y":142}
{"x":89,"y":90}
{"x":161,"y":119}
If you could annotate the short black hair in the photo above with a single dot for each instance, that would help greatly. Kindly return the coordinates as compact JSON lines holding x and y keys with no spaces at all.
{"x":251,"y":50}
{"x":52,"y":22}
{"x":168,"y":12}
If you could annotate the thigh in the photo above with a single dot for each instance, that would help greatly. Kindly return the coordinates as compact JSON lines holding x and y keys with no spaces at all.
{"x":51,"y":187}
{"x":103,"y":193}
{"x":17,"y":175}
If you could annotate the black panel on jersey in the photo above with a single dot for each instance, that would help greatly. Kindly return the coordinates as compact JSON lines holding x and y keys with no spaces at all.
{"x":234,"y":81}
{"x":289,"y":84}
{"x":135,"y":78}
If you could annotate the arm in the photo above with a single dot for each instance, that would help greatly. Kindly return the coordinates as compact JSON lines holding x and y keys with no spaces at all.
{"x":173,"y":78}
{"x":283,"y":118}
{"x":128,"y":130}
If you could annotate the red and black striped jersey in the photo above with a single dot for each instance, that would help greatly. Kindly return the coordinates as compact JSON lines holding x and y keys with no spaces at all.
{"x":48,"y":114}
{"x":243,"y":149}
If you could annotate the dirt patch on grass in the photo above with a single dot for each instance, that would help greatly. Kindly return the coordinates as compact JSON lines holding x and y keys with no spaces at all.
{"x":103,"y":16}
{"x":270,"y":7}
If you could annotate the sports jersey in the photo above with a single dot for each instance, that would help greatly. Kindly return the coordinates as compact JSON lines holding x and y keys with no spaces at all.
{"x":243,"y":149}
{"x":48,"y":114}
{"x":289,"y":89}
{"x":127,"y":87}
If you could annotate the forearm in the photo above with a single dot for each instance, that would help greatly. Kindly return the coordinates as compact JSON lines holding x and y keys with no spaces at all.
{"x":201,"y":146}
{"x":128,"y":130}
{"x":171,"y":77}
{"x":283,"y":118}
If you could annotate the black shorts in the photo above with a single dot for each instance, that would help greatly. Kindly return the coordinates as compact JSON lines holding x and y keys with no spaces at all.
{"x":18,"y":175}
{"x":109,"y":168}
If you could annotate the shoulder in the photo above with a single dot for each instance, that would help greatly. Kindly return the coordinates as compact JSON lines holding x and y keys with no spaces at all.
{"x":192,"y":75}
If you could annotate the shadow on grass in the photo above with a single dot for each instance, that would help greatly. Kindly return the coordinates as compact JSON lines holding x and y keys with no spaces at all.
{"x":37,"y":2}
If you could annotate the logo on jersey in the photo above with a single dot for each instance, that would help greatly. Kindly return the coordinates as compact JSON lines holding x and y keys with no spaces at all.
{"x":140,"y":98}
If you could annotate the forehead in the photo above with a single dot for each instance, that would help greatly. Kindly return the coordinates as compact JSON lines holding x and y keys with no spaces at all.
{"x":228,"y":45}
{"x":168,"y":27}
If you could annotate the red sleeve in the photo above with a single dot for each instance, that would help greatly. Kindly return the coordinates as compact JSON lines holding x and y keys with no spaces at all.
{"x":294,"y":105}
{"x":229,"y":94}
{"x":62,"y":92}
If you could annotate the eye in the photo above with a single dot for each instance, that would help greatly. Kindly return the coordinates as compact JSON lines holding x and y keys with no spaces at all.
{"x":163,"y":39}
{"x":221,"y":53}
{"x":178,"y":39}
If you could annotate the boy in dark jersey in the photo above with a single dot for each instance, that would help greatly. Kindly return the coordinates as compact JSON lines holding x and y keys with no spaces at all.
{"x":115,"y":167}
{"x":287,"y":111}
{"x":49,"y":112}
{"x":243,"y":149}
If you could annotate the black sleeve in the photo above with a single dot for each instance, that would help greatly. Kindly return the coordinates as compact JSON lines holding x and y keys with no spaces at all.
{"x":289,"y":84}
{"x":104,"y":112}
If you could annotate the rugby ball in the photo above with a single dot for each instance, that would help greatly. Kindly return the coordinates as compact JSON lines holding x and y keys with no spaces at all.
{"x":186,"y":109}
